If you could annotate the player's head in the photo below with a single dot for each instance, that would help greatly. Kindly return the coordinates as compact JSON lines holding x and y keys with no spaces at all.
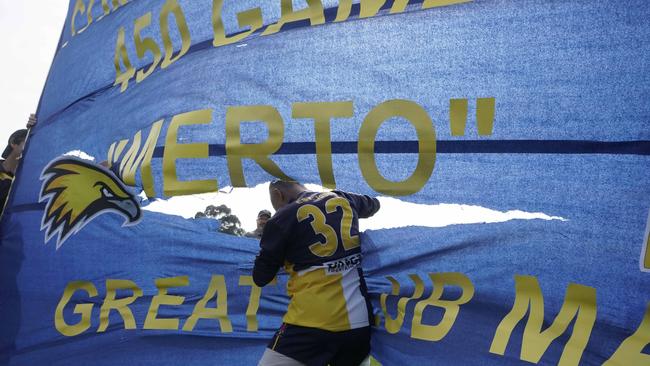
{"x":262,"y":217}
{"x":284,"y":192}
{"x":16,"y":144}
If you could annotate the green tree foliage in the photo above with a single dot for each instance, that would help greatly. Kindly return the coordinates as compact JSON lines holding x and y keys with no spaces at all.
{"x":230,"y":223}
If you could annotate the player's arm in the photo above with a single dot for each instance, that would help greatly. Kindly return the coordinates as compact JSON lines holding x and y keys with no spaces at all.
{"x":271,"y":255}
{"x":365,"y":206}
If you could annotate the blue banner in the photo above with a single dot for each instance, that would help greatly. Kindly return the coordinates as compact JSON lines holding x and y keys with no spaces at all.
{"x":531,"y":115}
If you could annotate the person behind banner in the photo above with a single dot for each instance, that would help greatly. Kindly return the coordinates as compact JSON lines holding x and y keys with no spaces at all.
{"x":11,"y":158}
{"x":316,"y":237}
{"x":262,"y":217}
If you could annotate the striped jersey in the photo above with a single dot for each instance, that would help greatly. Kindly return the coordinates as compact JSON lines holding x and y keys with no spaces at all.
{"x":316,"y":239}
{"x":6,"y":178}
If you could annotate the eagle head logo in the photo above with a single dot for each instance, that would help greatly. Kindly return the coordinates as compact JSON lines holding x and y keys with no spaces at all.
{"x":76,"y":192}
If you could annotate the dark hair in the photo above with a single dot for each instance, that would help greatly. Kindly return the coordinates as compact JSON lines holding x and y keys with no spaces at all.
{"x":284,"y":184}
{"x":16,"y":138}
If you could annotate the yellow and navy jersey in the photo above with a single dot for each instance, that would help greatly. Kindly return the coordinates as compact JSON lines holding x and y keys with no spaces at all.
{"x":5,"y":184}
{"x":316,"y":239}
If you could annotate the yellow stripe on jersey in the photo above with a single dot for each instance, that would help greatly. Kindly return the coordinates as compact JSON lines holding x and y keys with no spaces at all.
{"x":329,"y":301}
{"x":5,"y":176}
{"x":316,"y":301}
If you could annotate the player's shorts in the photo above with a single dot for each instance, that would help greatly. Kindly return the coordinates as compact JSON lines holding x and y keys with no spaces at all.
{"x":317,"y":347}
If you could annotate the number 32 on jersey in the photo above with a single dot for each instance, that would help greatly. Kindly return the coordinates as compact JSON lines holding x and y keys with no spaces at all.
{"x":319,"y":225}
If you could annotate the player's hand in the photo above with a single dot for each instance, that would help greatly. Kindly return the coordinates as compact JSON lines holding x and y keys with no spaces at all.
{"x":31,"y":122}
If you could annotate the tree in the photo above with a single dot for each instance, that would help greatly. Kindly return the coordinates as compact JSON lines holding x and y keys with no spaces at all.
{"x":217,"y":211}
{"x":230,"y":224}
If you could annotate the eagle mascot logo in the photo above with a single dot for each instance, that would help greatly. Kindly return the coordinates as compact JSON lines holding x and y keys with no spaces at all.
{"x":76,"y":192}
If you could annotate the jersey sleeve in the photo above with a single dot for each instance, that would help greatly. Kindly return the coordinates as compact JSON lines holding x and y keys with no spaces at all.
{"x":365,"y":206}
{"x":272,"y":253}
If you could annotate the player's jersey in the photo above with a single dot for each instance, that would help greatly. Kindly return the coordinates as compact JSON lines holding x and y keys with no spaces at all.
{"x":5,"y":183}
{"x":316,"y":238}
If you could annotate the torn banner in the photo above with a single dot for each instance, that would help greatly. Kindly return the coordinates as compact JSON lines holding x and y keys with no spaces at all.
{"x":532,"y":106}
